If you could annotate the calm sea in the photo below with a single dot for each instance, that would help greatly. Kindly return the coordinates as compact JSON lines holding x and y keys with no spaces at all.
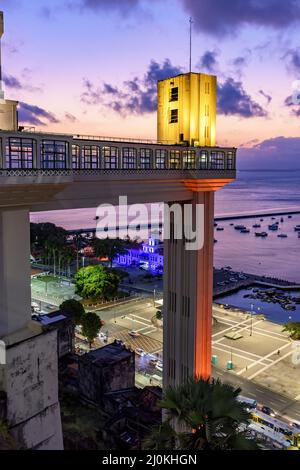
{"x":252,"y":192}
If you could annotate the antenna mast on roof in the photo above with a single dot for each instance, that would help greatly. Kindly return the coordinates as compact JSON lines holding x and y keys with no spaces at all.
{"x":191,"y":22}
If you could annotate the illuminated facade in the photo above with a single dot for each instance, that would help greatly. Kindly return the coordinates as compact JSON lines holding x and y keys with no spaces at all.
{"x":186,"y":111}
{"x":150,"y":256}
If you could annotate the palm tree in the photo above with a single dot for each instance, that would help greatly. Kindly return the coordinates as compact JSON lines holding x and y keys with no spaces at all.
{"x":162,"y":437}
{"x":208,"y":415}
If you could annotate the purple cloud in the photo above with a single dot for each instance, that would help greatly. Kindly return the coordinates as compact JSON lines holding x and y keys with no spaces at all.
{"x":34,"y":115}
{"x":12,"y":82}
{"x":221,"y":17}
{"x":70,"y":117}
{"x":266,"y":96}
{"x":292,"y":58}
{"x":291,"y":102}
{"x":123,"y":6}
{"x":136,"y":96}
{"x":276,"y":153}
{"x":15,"y":83}
{"x":208,"y":61}
{"x":233,"y":100}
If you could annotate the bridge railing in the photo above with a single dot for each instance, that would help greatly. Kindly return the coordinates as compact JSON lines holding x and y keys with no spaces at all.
{"x":36,"y":151}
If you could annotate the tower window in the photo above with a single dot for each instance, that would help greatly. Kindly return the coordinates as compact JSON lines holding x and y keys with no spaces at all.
{"x":174,"y":116}
{"x":207,"y":87}
{"x":174,"y":94}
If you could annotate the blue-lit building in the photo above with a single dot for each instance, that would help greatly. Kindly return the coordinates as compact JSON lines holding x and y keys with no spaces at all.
{"x":149,"y":256}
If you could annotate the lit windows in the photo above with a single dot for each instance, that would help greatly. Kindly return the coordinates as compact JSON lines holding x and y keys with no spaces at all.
{"x":175,"y":162}
{"x":129,"y":158}
{"x":19,"y":153}
{"x":189,"y":159}
{"x":110,"y":157}
{"x":203,"y":159}
{"x":76,"y":155}
{"x":90,"y":157}
{"x":161,"y":159}
{"x":145,"y":158}
{"x":54,"y":154}
{"x":217,"y":161}
{"x":230,"y":161}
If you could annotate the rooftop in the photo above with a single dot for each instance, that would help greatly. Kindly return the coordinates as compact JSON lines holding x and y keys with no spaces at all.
{"x":110,"y":353}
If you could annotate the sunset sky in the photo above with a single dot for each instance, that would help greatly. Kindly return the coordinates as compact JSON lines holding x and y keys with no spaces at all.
{"x":91,"y":66}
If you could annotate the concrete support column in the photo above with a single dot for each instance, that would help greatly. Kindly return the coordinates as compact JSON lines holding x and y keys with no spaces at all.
{"x":188,"y":294}
{"x":15,"y":302}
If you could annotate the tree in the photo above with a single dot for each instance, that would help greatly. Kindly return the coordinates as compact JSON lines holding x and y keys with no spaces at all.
{"x":73,"y":308}
{"x":210,"y":415}
{"x":91,"y":325}
{"x":162,"y":437}
{"x":40,"y":233}
{"x":50,"y":239}
{"x":109,"y":248}
{"x":293,"y":328}
{"x":96,"y":282}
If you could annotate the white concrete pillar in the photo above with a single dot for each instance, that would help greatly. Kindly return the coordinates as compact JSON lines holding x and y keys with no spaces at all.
{"x":188,"y":290}
{"x":15,"y":295}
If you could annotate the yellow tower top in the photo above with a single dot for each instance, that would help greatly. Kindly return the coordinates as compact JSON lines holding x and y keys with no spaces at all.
{"x":186,"y":110}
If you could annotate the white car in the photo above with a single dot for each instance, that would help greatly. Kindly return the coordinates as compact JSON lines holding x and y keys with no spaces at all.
{"x":134,"y":333}
{"x":159,"y":366}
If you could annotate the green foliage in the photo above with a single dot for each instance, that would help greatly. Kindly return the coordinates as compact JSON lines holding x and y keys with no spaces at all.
{"x":109,"y":248}
{"x":73,"y":308}
{"x":47,"y":234}
{"x":91,"y":325}
{"x":210,"y":415}
{"x":293,"y":328}
{"x":162,"y":437}
{"x":96,"y":282}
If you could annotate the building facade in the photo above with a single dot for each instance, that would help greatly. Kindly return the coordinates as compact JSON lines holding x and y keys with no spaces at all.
{"x":149,"y":256}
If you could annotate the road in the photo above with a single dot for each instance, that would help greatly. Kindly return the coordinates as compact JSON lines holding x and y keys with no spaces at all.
{"x":284,"y":406}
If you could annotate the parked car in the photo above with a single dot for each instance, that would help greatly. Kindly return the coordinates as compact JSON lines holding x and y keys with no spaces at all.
{"x":134,"y":333}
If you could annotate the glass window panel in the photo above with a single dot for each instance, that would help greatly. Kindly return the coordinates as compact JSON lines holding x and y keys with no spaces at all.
{"x":90,"y":157}
{"x":76,"y":154}
{"x":129,"y":158}
{"x":175,"y":161}
{"x":189,"y":159}
{"x":110,"y":157}
{"x":20,"y":153}
{"x":145,"y":158}
{"x":161,"y":159}
{"x":203,"y":160}
{"x":54,"y":154}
